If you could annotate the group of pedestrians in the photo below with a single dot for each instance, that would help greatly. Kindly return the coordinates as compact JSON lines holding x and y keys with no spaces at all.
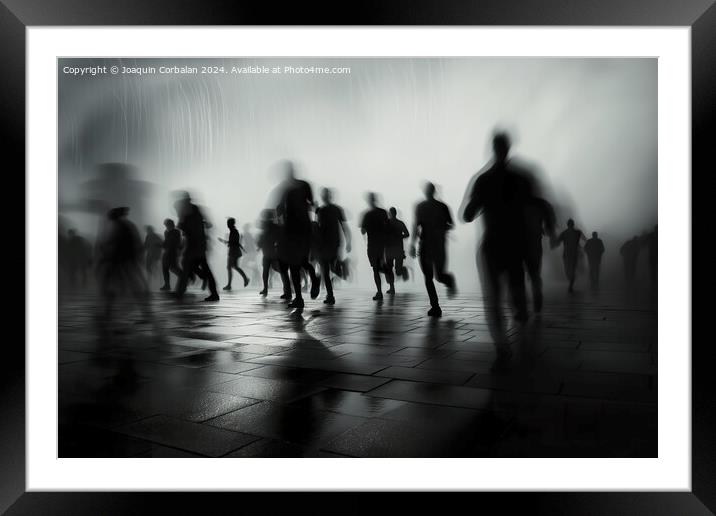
{"x":306,"y":242}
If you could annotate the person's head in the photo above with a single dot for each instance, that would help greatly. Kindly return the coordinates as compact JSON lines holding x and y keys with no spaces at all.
{"x":230,"y":222}
{"x":570,"y":223}
{"x":149,"y":229}
{"x":182,"y":200}
{"x":371,"y":198}
{"x":326,"y":195}
{"x":594,"y":234}
{"x":287,"y":170}
{"x":71,"y":233}
{"x":501,"y":145}
{"x":429,"y":190}
{"x":169,"y":224}
{"x":393,"y":212}
{"x":117,"y":213}
{"x":267,"y":215}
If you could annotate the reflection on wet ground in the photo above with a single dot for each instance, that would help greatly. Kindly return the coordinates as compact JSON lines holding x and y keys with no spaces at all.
{"x":244,"y":378}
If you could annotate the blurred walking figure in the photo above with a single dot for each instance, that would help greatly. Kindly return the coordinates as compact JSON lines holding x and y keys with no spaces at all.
{"x":170,"y":256}
{"x":268,"y":242}
{"x":79,"y":258}
{"x":152,"y":252}
{"x":118,"y":265}
{"x":193,"y":224}
{"x":540,"y":220}
{"x":570,"y":238}
{"x":432,"y":222}
{"x":250,"y":253}
{"x":375,"y":225}
{"x":294,"y":209}
{"x":394,"y":252}
{"x":235,"y":252}
{"x":630,"y":255}
{"x":331,"y":224}
{"x":502,"y":194}
{"x":594,"y":249}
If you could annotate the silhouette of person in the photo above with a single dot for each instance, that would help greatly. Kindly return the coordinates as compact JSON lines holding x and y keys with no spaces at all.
{"x":375,"y":225}
{"x":152,"y":251}
{"x":250,"y":256}
{"x":331,"y":222}
{"x":170,"y":256}
{"x":120,"y":251}
{"x":235,"y":252}
{"x":594,"y":249}
{"x":394,"y":252}
{"x":268,"y":242}
{"x":79,"y":258}
{"x":432,"y":222}
{"x":630,"y":255}
{"x":540,"y":220}
{"x":570,"y":238}
{"x":501,"y":194}
{"x":295,"y":246}
{"x":193,"y":224}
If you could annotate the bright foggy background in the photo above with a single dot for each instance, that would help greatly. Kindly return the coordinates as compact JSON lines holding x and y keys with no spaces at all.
{"x":588,"y":126}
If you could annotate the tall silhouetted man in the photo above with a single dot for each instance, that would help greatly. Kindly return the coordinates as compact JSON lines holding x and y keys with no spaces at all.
{"x":235,"y":253}
{"x":120,"y":251}
{"x":193,"y":224}
{"x":331,"y":224}
{"x":594,"y":249}
{"x":294,"y":208}
{"x":170,"y":256}
{"x":570,"y":238}
{"x":432,"y":222}
{"x":375,"y":226}
{"x":501,"y":195}
{"x":394,"y":252}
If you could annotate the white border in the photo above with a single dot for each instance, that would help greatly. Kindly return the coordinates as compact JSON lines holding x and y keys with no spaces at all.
{"x":671,"y":471}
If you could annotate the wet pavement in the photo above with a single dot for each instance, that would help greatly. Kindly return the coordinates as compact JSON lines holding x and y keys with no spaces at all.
{"x":245,"y":378}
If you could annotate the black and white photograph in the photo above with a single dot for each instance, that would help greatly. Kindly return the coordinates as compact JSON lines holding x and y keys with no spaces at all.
{"x":379,"y":257}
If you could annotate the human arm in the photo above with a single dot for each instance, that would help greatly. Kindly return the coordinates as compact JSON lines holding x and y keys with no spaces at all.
{"x":474,"y":204}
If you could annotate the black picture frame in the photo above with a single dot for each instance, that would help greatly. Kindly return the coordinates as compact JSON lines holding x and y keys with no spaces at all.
{"x":17,"y":15}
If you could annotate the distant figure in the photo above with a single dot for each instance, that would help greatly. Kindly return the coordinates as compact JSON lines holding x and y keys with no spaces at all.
{"x":268,"y":242}
{"x":630,"y":255}
{"x":118,"y":265}
{"x":235,"y":252}
{"x":594,"y":249}
{"x":501,"y":194}
{"x":375,"y":226}
{"x":432,"y":222}
{"x":193,"y":224}
{"x":79,"y":258}
{"x":250,"y":256}
{"x":331,"y":221}
{"x":570,"y":238}
{"x":394,"y":252}
{"x":170,"y":256}
{"x":294,"y":209}
{"x":152,"y":251}
{"x":540,"y":221}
